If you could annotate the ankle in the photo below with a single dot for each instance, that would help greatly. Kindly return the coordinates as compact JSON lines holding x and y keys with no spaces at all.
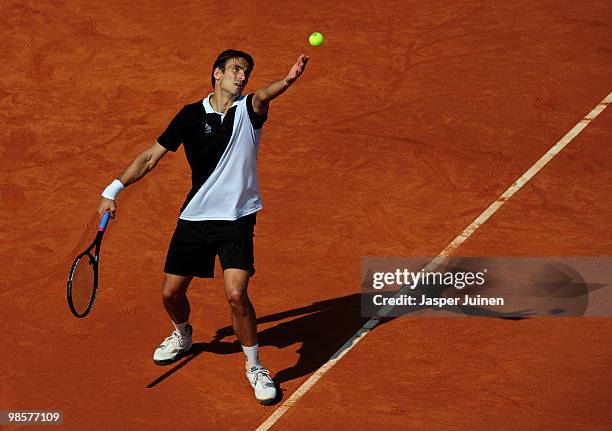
{"x":181,"y":328}
{"x":251,"y":355}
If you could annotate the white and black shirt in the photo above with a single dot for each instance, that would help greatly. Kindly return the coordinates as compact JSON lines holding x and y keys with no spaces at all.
{"x":222,"y":152}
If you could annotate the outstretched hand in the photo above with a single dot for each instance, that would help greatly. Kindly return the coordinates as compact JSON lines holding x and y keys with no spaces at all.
{"x":297,"y":69}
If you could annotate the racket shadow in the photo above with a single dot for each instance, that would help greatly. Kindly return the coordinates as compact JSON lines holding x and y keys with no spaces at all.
{"x":216,"y":347}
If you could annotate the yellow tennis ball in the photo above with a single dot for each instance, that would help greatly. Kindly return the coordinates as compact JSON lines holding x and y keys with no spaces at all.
{"x":316,"y":39}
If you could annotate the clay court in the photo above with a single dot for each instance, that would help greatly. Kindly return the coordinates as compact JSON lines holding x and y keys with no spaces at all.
{"x":410,"y":120}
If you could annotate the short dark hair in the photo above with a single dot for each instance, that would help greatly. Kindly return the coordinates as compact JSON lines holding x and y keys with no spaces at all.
{"x":226,"y":55}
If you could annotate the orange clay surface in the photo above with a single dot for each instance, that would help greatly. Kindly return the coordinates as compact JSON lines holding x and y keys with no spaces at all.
{"x":408,"y":122}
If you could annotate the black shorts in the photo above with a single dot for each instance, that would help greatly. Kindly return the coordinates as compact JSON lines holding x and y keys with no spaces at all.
{"x":195,"y":244}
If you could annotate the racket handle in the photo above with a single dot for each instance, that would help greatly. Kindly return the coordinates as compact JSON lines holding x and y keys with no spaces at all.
{"x":104,"y":221}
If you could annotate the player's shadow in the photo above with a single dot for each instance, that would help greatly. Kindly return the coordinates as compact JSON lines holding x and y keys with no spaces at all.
{"x":319,"y":329}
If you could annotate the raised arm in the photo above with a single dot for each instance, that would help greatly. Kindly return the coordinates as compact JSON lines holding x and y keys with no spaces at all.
{"x":263,"y":96}
{"x":140,"y":166}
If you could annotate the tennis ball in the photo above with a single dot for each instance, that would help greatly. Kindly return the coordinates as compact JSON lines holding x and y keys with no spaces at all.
{"x":316,"y":39}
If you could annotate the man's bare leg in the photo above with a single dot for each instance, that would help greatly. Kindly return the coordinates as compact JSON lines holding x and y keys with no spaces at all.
{"x":174,"y":296}
{"x":243,"y":314}
{"x":245,"y":326}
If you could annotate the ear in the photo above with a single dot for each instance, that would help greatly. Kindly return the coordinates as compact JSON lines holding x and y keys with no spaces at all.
{"x":218,"y":73}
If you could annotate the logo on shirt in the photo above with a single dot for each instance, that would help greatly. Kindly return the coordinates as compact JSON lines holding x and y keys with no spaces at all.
{"x":207,"y":129}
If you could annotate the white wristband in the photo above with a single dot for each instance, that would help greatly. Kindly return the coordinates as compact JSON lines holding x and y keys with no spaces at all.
{"x":113,"y":189}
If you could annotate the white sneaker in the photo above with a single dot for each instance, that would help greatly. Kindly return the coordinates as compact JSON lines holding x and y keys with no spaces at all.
{"x":173,"y":348}
{"x":262,"y":383}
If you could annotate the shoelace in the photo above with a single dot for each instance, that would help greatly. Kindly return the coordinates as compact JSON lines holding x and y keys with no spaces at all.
{"x":173,"y":340}
{"x":262,"y":372}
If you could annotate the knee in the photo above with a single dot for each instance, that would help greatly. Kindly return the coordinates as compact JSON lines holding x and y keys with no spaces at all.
{"x":237,"y":300}
{"x":172,"y":294}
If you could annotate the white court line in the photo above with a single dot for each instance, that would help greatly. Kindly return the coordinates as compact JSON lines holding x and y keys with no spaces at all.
{"x":460,"y":239}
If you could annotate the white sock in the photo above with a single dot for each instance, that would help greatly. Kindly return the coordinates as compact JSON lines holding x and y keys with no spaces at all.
{"x":181,"y":328}
{"x":252,"y":355}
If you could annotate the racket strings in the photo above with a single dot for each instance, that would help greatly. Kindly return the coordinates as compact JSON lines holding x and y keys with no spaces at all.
{"x":83,"y":284}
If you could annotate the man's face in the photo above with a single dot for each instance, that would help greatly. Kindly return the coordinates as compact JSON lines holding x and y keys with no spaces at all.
{"x":235,"y":76}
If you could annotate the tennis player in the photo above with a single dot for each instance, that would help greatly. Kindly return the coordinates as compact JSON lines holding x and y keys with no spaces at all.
{"x":220,"y":135}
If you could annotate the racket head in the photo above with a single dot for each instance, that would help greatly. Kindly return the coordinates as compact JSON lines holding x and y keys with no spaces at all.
{"x":82,"y":284}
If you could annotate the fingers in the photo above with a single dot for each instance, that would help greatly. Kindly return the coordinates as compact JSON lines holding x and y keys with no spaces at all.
{"x":107,"y":205}
{"x":301,"y":64}
{"x":302,"y":60}
{"x":112,"y":208}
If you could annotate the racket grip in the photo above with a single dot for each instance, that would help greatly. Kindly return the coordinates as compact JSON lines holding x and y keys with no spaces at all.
{"x":104,"y":221}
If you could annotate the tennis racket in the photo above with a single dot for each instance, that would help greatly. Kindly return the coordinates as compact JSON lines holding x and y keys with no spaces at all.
{"x":83,"y":277}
